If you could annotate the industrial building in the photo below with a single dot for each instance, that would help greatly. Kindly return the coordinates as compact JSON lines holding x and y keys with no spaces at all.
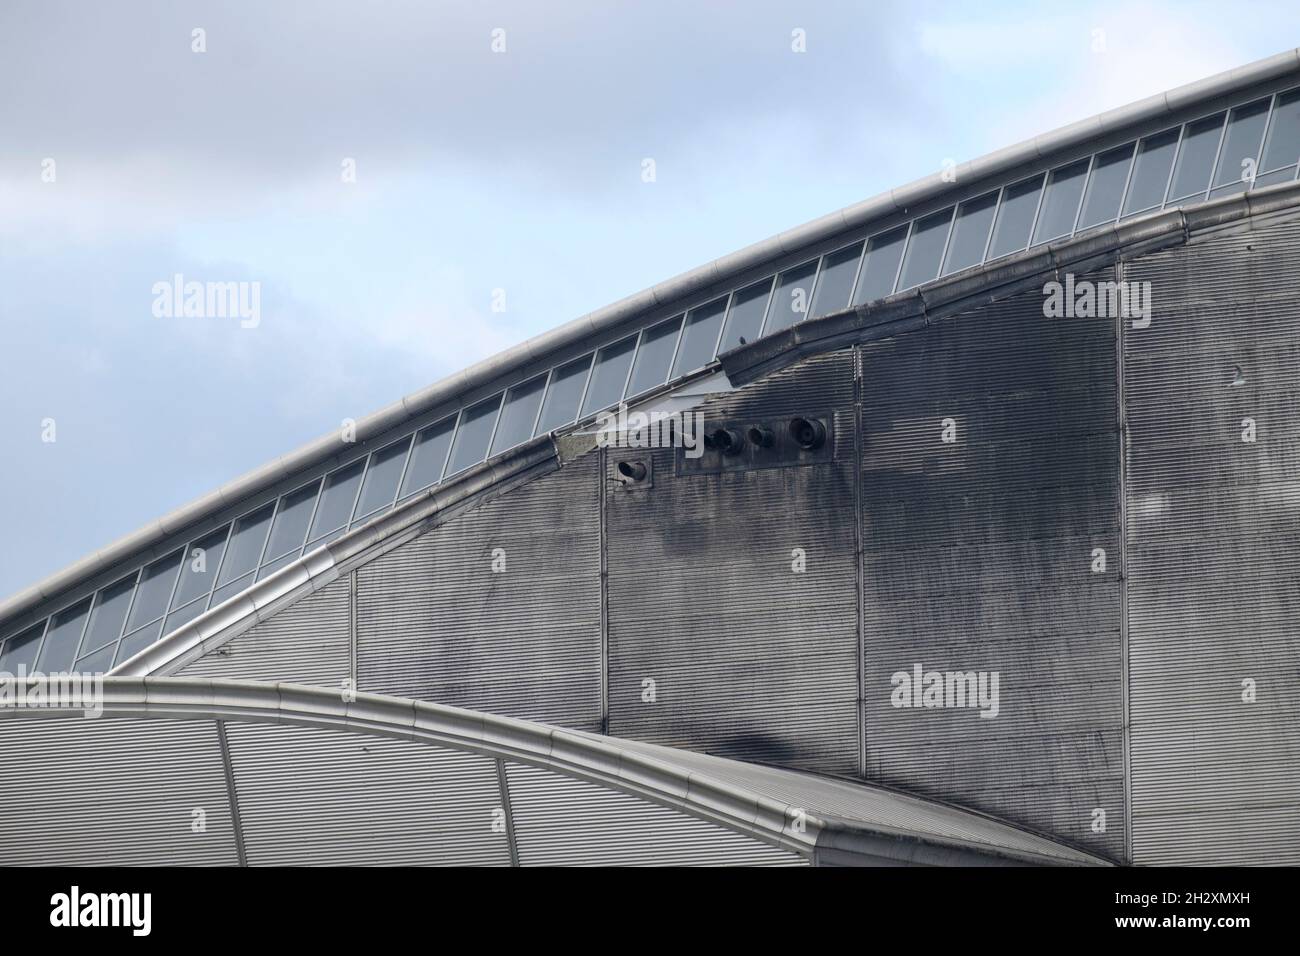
{"x":974,"y":540}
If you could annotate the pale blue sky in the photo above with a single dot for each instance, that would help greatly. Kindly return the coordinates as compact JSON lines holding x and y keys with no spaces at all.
{"x":475,"y":171}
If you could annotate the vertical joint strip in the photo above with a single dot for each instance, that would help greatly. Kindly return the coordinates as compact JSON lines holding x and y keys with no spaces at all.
{"x":232,"y":796}
{"x":859,"y":572}
{"x":601,"y":465}
{"x":352,"y":628}
{"x":504,"y":786}
{"x":1121,"y":412}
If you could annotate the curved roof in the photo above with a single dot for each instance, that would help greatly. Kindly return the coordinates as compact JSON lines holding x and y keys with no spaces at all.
{"x":898,"y":314}
{"x":401,"y":781}
{"x":1080,"y":145}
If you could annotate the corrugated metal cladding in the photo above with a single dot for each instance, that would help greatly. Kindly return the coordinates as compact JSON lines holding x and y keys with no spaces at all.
{"x":562,"y":821}
{"x":307,"y":643}
{"x":748,"y":658}
{"x":332,"y":797}
{"x":73,"y":796}
{"x":978,"y":556}
{"x":1214,"y":552}
{"x":436,"y":622}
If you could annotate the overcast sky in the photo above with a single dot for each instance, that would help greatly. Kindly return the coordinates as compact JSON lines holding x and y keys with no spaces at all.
{"x":475,"y":170}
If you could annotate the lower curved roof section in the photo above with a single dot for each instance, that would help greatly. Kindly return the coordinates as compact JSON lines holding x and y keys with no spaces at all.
{"x":162,"y":771}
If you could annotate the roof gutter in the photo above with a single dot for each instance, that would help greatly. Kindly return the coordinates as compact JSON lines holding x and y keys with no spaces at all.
{"x":455,"y":387}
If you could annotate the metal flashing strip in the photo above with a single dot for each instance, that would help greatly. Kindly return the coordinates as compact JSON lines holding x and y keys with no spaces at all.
{"x":232,"y":794}
{"x":503,"y":785}
{"x":741,"y":797}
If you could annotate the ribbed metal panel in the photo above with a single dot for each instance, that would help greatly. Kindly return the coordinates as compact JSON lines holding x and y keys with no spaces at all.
{"x":749,"y":659}
{"x":1214,"y":552}
{"x":435,"y":622}
{"x":977,"y":557}
{"x":112,"y":792}
{"x":560,"y":821}
{"x":818,"y":382}
{"x":332,"y":797}
{"x":305,"y":643}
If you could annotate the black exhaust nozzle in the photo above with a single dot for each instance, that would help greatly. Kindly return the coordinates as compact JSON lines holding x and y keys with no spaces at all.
{"x":760,"y":436}
{"x":632,"y":470}
{"x":808,"y":433}
{"x":729,"y":441}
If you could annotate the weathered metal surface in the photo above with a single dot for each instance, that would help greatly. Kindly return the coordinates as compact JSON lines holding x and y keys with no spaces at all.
{"x":989,"y":475}
{"x":497,"y":610}
{"x":749,"y":656}
{"x":1214,"y":552}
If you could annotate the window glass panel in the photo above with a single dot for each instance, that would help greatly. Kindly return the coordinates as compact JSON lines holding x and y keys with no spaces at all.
{"x":1155,"y":156}
{"x":835,"y":281}
{"x":109,"y":614}
{"x":199,"y":567}
{"x":429,"y":456}
{"x":563,"y":395}
{"x":1241,"y":145}
{"x":97,"y":662}
{"x":1106,"y":186}
{"x":290,"y":525}
{"x":519,"y":414}
{"x":1283,"y":146}
{"x":62,"y":640}
{"x":186,"y":614}
{"x":700,"y":337}
{"x":790,"y":300}
{"x":154,"y":591}
{"x":134,"y":643}
{"x":271,"y":567}
{"x":1015,"y":217}
{"x":607,"y":381}
{"x":337,"y":499}
{"x":745,"y":316}
{"x":199,"y":564}
{"x":380,"y":486}
{"x":20,"y":650}
{"x":884,"y":252}
{"x":925,"y":249}
{"x":971,"y":233}
{"x":1195,"y":158}
{"x":470,"y":445}
{"x":655,"y":355}
{"x":237,"y":585}
{"x":245,"y":546}
{"x":1275,"y":177}
{"x":1061,"y":202}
